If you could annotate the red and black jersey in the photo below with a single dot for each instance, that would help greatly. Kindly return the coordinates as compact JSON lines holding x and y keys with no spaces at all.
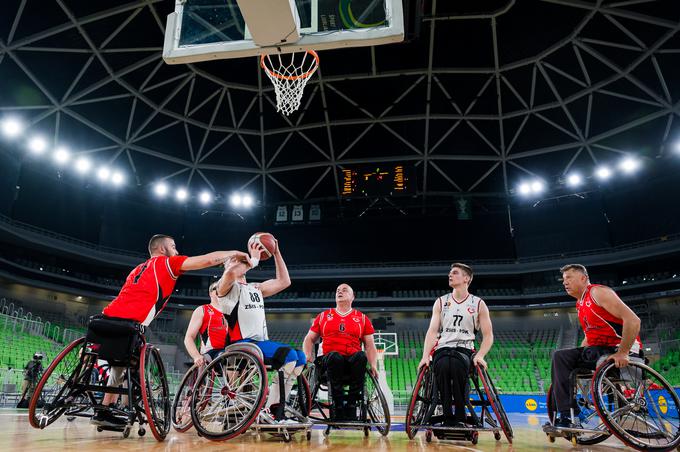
{"x":213,"y":330}
{"x":599,"y":326}
{"x":147,"y":289}
{"x":342,"y":333}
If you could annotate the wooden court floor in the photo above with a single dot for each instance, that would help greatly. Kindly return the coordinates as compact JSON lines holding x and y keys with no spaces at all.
{"x":17,"y":435}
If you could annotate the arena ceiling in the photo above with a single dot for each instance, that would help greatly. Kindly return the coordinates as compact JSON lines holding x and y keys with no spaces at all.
{"x":489,"y":94}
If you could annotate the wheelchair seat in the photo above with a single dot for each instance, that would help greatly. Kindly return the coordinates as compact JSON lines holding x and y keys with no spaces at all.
{"x":117,"y":341}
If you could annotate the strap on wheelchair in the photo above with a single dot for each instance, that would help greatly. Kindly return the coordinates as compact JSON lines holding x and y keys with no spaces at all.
{"x":279,"y":359}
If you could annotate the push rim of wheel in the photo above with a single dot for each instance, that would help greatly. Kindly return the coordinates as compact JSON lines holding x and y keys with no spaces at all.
{"x":496,"y":405}
{"x":376,"y":405}
{"x":181,"y":405}
{"x":155,"y":393}
{"x":58,"y":380}
{"x":590,"y":417}
{"x":228,"y":396}
{"x":642,"y":399}
{"x":418,"y":405}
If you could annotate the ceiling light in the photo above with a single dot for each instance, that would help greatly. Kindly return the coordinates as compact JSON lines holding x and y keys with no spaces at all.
{"x":205,"y":197}
{"x":236,"y":200}
{"x":104,"y":173}
{"x":603,"y":173}
{"x":524,"y":188}
{"x":117,"y":178}
{"x":247,"y":201}
{"x":62,"y":155}
{"x":181,"y":194}
{"x":161,"y":189}
{"x":37,"y":145}
{"x":537,"y":186}
{"x":11,"y":127}
{"x":629,"y":165}
{"x":83,"y":165}
{"x":574,"y":180}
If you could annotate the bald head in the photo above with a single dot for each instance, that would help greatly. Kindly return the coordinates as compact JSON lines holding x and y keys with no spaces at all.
{"x":344,"y":294}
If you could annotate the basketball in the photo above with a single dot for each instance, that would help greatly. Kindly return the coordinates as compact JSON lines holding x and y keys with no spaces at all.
{"x":265,"y":239}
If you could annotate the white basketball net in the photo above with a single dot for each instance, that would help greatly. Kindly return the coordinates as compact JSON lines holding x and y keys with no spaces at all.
{"x":289,"y":73}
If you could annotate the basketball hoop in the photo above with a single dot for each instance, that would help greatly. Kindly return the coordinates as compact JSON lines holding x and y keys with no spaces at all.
{"x":289,"y":77}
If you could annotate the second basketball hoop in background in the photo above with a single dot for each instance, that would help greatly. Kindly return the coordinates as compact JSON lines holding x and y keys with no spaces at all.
{"x":289,"y":73}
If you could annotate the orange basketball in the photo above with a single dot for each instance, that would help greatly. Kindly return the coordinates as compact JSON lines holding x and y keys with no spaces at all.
{"x":265,"y":239}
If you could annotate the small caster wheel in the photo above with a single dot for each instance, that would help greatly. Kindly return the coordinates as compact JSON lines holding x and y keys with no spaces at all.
{"x":573,"y":441}
{"x":551,"y":439}
{"x":126,"y":432}
{"x":141,"y":432}
{"x":99,"y":429}
{"x":428,"y":436}
{"x":497,"y":436}
{"x":327,"y":431}
{"x":286,"y":436}
{"x":70,"y":418}
{"x":309,"y":435}
{"x":366,"y":430}
{"x":475,"y":437}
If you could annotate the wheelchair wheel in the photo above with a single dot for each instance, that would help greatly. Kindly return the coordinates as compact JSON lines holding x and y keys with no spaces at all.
{"x":299,"y":401}
{"x":638,"y":406}
{"x":590,"y":419}
{"x":155,"y":393}
{"x":228,"y":395}
{"x":57,"y":391}
{"x":496,"y":405}
{"x":376,"y":405}
{"x":181,"y":405}
{"x":420,"y":401}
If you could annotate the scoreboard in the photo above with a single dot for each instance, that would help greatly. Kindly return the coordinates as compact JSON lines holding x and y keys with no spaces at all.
{"x":377,"y":180}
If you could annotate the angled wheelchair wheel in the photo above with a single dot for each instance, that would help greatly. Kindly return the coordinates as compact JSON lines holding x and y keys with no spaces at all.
{"x":377,"y":410}
{"x":420,"y":401}
{"x":228,"y":395}
{"x":58,"y":389}
{"x":155,"y":393}
{"x":638,"y":406}
{"x":496,"y":405}
{"x":181,"y":405}
{"x":299,"y":402}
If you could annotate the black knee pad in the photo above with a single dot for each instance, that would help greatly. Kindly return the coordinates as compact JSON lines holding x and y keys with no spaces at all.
{"x":279,"y":359}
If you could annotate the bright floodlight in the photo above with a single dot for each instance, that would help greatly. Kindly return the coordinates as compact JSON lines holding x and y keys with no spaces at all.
{"x":603,"y":173}
{"x":117,"y":178}
{"x":161,"y":189}
{"x":537,"y":186}
{"x":83,"y":165}
{"x":247,"y":201}
{"x":12,"y":127}
{"x":236,"y":200}
{"x":37,"y":145}
{"x":629,"y":165}
{"x":62,"y":155}
{"x":524,"y":189}
{"x":103,"y":173}
{"x":181,"y":194}
{"x":574,"y":180}
{"x":205,"y":197}
{"x":676,"y":147}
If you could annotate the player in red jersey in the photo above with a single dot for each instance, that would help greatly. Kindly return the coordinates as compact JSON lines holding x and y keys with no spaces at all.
{"x":342,"y":331}
{"x":208,"y":321}
{"x":611,"y":330}
{"x":145,"y":293}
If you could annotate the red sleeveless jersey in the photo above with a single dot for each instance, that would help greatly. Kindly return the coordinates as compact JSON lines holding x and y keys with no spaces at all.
{"x":342,"y":333}
{"x":147,"y":289}
{"x":213,"y":329}
{"x":600,"y":327}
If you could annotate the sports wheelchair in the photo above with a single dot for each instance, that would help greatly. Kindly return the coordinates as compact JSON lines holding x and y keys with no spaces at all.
{"x":373,"y":411}
{"x":485,"y":411}
{"x":224,"y":399}
{"x":67,"y":385}
{"x":634,"y":403}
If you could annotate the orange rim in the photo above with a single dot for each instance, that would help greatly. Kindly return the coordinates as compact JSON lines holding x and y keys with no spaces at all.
{"x":291,"y":77}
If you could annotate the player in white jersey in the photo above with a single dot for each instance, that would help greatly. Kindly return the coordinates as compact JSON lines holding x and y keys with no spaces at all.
{"x":243,"y":304}
{"x":456,"y":318}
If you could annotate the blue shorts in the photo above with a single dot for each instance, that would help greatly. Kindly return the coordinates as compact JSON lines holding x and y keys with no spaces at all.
{"x":269,"y":349}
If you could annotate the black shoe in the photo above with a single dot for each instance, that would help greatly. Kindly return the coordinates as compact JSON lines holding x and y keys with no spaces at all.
{"x":565,"y":422}
{"x":105,"y":418}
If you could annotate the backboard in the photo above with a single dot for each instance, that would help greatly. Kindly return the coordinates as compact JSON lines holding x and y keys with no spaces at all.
{"x":203,"y":30}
